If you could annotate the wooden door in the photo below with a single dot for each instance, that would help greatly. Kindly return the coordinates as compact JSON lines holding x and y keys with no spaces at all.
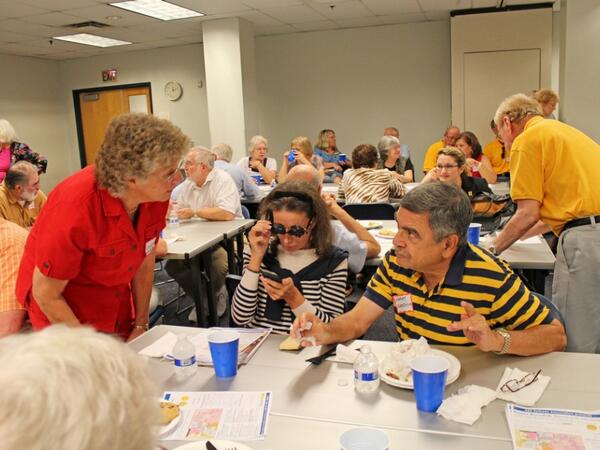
{"x":98,"y":107}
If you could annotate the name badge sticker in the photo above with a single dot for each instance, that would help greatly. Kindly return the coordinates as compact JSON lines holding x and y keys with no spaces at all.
{"x":149,"y":246}
{"x":402,"y":303}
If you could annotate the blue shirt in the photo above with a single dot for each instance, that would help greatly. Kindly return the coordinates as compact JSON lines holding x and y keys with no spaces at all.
{"x":246,"y":187}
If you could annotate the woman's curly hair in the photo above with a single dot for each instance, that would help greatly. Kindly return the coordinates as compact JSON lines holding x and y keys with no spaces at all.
{"x":135,"y":145}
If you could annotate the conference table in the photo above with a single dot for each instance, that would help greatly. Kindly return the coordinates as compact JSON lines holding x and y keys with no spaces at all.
{"x":533,"y":253}
{"x":194,"y":241}
{"x":312,"y":405}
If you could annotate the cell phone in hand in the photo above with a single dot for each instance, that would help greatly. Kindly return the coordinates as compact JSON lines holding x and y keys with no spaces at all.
{"x":271,"y":276}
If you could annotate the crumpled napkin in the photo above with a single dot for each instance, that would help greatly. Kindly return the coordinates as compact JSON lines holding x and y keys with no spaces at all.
{"x":345,"y":354}
{"x":527,"y":396}
{"x":465,"y":406}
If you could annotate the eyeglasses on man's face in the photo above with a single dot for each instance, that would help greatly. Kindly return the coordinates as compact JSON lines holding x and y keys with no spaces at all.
{"x":446,"y":166}
{"x":294,"y":230}
{"x":515,"y":385}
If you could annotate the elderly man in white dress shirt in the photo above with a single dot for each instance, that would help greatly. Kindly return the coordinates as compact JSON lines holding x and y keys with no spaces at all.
{"x":210,"y":194}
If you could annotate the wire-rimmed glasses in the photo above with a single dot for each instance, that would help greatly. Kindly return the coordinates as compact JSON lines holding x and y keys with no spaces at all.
{"x":515,"y":385}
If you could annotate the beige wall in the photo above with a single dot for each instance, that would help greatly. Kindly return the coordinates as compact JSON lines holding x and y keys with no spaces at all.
{"x":512,"y":30}
{"x":182,"y":64}
{"x":356,"y":81}
{"x":580,"y":91}
{"x":30,"y":101}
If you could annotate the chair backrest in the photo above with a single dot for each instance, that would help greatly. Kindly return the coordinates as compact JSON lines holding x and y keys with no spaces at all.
{"x":556,"y":314}
{"x":245,"y":212}
{"x":370,"y":211}
{"x":231,"y":284}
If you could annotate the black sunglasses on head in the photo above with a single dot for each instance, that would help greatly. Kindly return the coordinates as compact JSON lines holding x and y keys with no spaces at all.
{"x":294,"y":230}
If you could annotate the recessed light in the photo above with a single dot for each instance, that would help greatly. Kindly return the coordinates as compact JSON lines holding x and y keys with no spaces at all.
{"x":91,"y":39}
{"x":158,"y":9}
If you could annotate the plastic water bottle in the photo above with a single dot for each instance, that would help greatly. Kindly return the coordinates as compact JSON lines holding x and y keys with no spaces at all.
{"x":184,"y":358}
{"x":173,"y":217}
{"x":366,"y":371}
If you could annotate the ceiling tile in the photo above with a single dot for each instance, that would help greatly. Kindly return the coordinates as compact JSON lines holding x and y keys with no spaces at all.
{"x":212,"y":6}
{"x":9,"y":36}
{"x":57,"y":45}
{"x":260,"y":19}
{"x":59,"y":5}
{"x":32,"y":29}
{"x":99,"y":13}
{"x":294,"y":14}
{"x":359,"y":22}
{"x":15,"y":9}
{"x":485,"y":3}
{"x":55,"y":19}
{"x":345,"y":10}
{"x":393,"y":7}
{"x":280,"y":29}
{"x":167,"y":30}
{"x":403,"y":18}
{"x":260,"y":4}
{"x":437,"y":15}
{"x":316,"y":26}
{"x":444,"y":5}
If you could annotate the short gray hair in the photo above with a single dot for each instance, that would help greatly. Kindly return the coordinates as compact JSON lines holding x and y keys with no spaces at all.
{"x":385,"y":144}
{"x":18,"y":174}
{"x":74,"y":388}
{"x":448,"y":208}
{"x":223,"y":151}
{"x":255,"y":140}
{"x":202,"y":155}
{"x":517,"y":107}
{"x":7,"y":132}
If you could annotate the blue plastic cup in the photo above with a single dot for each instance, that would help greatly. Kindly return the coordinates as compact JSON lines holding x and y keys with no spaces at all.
{"x":292,"y":155}
{"x":429,"y":374}
{"x":343,"y":158}
{"x":257,"y":178}
{"x":473,"y":233}
{"x":224,"y":347}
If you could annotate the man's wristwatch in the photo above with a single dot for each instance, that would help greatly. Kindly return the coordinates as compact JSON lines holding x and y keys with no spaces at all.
{"x":507,"y":340}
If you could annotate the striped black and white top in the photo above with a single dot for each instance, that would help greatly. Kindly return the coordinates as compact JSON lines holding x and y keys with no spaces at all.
{"x":324,"y":297}
{"x":367,"y":185}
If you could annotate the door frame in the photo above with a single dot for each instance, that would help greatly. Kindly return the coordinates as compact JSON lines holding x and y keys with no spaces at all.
{"x":78,"y":122}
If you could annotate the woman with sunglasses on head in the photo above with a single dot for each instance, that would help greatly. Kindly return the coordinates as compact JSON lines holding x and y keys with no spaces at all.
{"x":291,"y":266}
{"x":451,"y":168}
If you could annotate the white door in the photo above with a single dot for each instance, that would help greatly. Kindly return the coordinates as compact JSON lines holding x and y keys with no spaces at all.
{"x":492,"y":76}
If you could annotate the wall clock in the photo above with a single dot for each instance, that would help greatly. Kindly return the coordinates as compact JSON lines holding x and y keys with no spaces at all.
{"x":173,"y":90}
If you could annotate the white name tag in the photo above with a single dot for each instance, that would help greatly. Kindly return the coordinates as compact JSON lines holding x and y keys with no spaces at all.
{"x":402,"y":303}
{"x":149,"y":246}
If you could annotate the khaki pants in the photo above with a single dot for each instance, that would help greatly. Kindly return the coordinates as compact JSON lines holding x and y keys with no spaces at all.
{"x":576,"y":286}
{"x":218,"y":271}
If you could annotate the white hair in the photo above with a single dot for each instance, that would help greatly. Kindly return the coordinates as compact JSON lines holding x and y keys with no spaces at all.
{"x":7,"y":132}
{"x":223,"y":151}
{"x":256,"y":140}
{"x":203,"y":155}
{"x":385,"y":144}
{"x":74,"y":388}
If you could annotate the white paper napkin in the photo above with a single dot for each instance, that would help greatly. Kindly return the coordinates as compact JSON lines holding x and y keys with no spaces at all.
{"x":161,"y":346}
{"x":345,"y":354}
{"x":527,"y":396}
{"x":465,"y":406}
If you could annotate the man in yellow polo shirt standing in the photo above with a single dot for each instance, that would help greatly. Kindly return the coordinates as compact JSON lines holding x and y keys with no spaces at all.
{"x":555,"y":175}
{"x":448,"y":140}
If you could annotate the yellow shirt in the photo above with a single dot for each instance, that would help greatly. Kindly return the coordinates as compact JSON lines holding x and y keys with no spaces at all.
{"x":493,"y":150}
{"x":12,"y":243}
{"x":22,"y":215}
{"x":431,"y":155}
{"x":558,"y":166}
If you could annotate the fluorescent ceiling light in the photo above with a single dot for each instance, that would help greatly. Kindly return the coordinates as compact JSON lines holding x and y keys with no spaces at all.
{"x":157,"y":9}
{"x":91,"y":39}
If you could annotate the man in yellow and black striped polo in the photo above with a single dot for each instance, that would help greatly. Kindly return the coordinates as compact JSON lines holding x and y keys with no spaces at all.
{"x":445,"y":289}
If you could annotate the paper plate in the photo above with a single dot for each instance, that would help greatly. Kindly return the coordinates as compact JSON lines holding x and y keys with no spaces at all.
{"x":453,"y":371}
{"x":371,"y":224}
{"x":383,"y":233}
{"x":221,"y":445}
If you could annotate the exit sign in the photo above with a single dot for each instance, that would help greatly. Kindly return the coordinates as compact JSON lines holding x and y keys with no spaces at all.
{"x":109,"y":75}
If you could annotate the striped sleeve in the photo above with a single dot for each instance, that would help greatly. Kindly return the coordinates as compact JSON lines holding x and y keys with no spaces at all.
{"x":396,"y":188}
{"x":245,"y":298}
{"x":330,"y":303}
{"x":516,"y":308}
